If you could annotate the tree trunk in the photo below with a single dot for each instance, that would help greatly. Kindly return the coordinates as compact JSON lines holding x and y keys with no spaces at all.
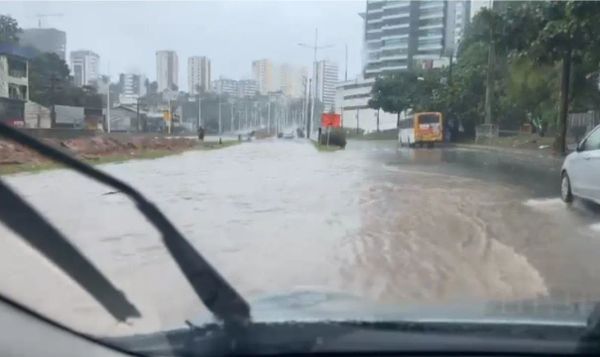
{"x":398,"y":121}
{"x":560,"y":144}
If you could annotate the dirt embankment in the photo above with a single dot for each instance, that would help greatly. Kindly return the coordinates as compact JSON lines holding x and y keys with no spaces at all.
{"x":96,"y":148}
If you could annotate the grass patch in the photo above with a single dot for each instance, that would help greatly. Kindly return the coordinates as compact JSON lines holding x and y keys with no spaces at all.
{"x":113,"y":158}
{"x":325,"y":148}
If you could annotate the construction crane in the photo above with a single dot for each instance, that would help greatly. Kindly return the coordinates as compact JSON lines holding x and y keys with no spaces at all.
{"x":44,"y":16}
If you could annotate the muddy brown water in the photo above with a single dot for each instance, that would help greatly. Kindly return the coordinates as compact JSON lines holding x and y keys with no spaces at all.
{"x":388,"y":225}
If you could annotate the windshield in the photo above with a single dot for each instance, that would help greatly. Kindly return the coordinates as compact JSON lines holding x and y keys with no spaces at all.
{"x":429,"y":119}
{"x":276,"y":142}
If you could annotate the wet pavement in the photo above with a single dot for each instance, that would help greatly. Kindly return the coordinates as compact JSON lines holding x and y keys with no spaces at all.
{"x":390,"y":225}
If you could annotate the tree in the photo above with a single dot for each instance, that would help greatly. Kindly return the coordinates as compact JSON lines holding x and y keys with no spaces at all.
{"x":48,"y":78}
{"x":9,"y":30}
{"x":50,"y":84}
{"x":555,"y":32}
{"x":394,"y":93}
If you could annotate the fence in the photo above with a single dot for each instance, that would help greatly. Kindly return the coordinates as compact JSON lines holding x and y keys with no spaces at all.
{"x":579,"y":124}
{"x":486,"y":133}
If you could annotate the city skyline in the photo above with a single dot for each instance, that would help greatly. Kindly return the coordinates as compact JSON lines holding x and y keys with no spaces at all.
{"x":136,"y":33}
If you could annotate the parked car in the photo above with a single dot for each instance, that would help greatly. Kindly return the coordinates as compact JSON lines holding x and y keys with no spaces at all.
{"x":580,"y":174}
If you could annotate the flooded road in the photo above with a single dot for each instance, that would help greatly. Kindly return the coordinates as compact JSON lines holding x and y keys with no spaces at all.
{"x":388,"y":225}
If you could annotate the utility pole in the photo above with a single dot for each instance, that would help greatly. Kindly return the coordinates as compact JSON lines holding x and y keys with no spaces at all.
{"x":309,"y":113}
{"x":199,"y":111}
{"x":138,"y":113}
{"x":346,"y":71}
{"x":490,"y":70}
{"x":231,"y":115}
{"x":315,"y":82}
{"x":269,"y":116}
{"x":108,"y":101}
{"x":219,"y":115}
{"x":108,"y":109}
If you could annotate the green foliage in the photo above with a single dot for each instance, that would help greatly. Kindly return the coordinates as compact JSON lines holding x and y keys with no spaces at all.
{"x":531,"y":40}
{"x":50,"y":83}
{"x":9,"y":29}
{"x":395,"y":92}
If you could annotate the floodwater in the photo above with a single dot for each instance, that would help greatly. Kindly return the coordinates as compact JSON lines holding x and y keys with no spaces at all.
{"x":396,"y":226}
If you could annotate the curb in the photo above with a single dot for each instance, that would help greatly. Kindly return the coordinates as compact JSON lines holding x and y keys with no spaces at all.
{"x":531,"y":154}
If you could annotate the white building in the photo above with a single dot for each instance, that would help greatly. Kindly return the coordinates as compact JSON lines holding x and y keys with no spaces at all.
{"x":14,"y":76}
{"x":405,"y":34}
{"x":263,"y":74}
{"x":352,"y":98}
{"x":246,"y":88}
{"x":326,"y":80}
{"x":85,"y":66}
{"x":199,"y":74}
{"x":132,"y":87}
{"x":167,"y":70}
{"x":291,"y":80}
{"x":225,"y":86}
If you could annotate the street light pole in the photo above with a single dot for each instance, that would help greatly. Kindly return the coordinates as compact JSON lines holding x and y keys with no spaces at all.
{"x":199,"y":111}
{"x":219,"y":115}
{"x":315,"y":81}
{"x":269,"y":116}
{"x":231,"y":115}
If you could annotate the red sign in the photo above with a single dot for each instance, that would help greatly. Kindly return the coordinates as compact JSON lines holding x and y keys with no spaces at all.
{"x":330,"y":120}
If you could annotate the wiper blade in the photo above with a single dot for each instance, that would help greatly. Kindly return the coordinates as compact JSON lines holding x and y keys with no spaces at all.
{"x":214,"y":291}
{"x":41,"y":235}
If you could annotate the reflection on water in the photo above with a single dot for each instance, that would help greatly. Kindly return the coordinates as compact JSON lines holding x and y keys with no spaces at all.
{"x":394,"y":226}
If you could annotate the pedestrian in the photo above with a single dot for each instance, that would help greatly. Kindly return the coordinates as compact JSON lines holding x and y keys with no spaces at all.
{"x":200,"y":133}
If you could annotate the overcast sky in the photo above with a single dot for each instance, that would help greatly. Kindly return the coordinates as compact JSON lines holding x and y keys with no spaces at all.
{"x":231,"y":33}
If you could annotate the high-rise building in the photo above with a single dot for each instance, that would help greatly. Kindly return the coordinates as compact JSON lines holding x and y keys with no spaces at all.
{"x":225,"y":86}
{"x":326,"y":81}
{"x":199,"y":74}
{"x":132,"y":87}
{"x":45,"y":40}
{"x":291,"y":80}
{"x":167,"y":70}
{"x":262,"y":71}
{"x":404,"y":34}
{"x":241,"y":88}
{"x":247,"y":88}
{"x":85,"y":65}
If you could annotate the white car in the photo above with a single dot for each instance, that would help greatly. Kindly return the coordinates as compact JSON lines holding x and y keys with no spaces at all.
{"x":580,"y":174}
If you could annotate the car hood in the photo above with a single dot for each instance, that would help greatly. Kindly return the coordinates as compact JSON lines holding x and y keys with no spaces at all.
{"x":312,"y":306}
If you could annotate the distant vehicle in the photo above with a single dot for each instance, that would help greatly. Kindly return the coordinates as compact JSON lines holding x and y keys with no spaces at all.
{"x":289,"y":135}
{"x":421,"y":129}
{"x":580,"y":174}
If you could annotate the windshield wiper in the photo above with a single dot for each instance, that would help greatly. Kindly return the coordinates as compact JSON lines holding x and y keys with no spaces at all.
{"x":214,"y":291}
{"x":41,"y":235}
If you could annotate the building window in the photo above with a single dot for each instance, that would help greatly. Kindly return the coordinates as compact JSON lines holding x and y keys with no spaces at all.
{"x":373,"y":25}
{"x":398,"y":31}
{"x":17,"y":92}
{"x":430,"y":22}
{"x":373,"y":36}
{"x":17,"y":68}
{"x":396,"y":22}
{"x":391,"y":53}
{"x":375,"y":5}
{"x":396,"y":42}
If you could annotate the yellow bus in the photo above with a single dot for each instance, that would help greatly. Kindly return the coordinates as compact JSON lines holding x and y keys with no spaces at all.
{"x":421,"y":129}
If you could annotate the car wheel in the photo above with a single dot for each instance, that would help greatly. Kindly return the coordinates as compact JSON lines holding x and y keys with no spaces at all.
{"x":565,"y":188}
